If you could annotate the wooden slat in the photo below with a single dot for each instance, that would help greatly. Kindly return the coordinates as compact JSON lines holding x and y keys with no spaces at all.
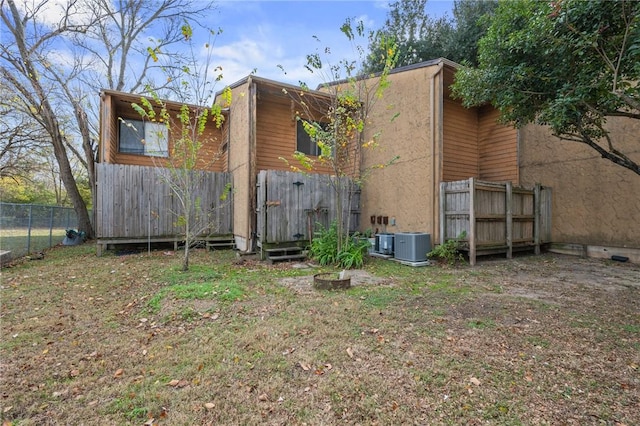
{"x":494,"y":214}
{"x":288,"y":201}
{"x":137,"y":203}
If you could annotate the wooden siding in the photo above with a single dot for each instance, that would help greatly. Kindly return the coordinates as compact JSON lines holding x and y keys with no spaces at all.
{"x":460,"y":142}
{"x":276,"y":134}
{"x":498,"y":148}
{"x":134,"y":202}
{"x":212,"y":156}
{"x":290,"y":205}
{"x":497,"y":218}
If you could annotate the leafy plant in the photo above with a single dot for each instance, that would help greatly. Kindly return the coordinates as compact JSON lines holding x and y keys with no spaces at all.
{"x":352,"y":253}
{"x":324,"y":246}
{"x":324,"y":249}
{"x":449,"y":251}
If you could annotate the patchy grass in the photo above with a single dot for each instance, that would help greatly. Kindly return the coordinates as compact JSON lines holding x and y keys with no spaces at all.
{"x":121,"y":340}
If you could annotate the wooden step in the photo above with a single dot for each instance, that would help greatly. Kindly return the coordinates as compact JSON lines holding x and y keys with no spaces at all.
{"x":287,"y":257}
{"x":293,"y":249}
{"x":279,"y":254}
{"x":214,"y":244}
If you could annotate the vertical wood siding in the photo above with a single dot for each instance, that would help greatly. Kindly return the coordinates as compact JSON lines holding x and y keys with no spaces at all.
{"x":460,"y":142}
{"x":498,"y":148}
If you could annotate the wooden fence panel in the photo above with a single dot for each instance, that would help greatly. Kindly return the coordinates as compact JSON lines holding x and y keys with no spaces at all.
{"x":290,"y":205}
{"x":136,"y":203}
{"x":496,"y":217}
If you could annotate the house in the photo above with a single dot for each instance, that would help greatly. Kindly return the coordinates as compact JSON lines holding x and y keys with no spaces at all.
{"x":437,"y":140}
{"x":134,"y":202}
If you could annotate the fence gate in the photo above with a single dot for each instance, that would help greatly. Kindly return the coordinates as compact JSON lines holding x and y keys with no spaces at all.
{"x":291,"y":205}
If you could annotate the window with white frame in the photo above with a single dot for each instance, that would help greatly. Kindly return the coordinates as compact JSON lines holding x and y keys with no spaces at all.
{"x":143,"y":138}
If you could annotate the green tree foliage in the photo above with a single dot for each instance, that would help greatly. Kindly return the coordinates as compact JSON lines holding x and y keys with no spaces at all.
{"x":20,"y":190}
{"x":568,"y":64}
{"x":420,"y":37}
{"x":471,"y":20}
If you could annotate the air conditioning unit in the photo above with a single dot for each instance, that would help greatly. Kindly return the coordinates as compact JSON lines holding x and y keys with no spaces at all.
{"x":384,"y":244}
{"x":412,"y":246}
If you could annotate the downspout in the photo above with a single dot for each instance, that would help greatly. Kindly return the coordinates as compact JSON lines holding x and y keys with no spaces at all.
{"x":252,"y":166}
{"x":435,"y":187}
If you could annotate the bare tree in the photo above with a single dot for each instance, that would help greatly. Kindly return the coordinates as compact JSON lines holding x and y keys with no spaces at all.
{"x":20,"y":139}
{"x":56,"y":69}
{"x":24,"y":68}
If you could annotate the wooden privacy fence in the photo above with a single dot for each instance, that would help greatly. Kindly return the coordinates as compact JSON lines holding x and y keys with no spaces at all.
{"x":496,"y":217}
{"x":135,"y":204}
{"x":291,"y":204}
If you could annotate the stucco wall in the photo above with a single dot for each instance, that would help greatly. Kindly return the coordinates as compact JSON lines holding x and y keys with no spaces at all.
{"x":595,"y":202}
{"x":404,"y":190}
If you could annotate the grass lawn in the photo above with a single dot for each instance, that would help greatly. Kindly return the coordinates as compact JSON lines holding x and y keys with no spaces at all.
{"x":15,"y":240}
{"x":120,"y":340}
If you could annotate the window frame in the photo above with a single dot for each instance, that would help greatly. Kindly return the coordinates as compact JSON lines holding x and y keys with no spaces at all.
{"x":156,"y":134}
{"x":310,"y":144}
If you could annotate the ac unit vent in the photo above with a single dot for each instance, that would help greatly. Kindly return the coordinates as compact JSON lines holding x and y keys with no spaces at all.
{"x":412,"y":246}
{"x":384,"y":244}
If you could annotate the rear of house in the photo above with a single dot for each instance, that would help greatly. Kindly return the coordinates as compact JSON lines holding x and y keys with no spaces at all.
{"x":437,"y":140}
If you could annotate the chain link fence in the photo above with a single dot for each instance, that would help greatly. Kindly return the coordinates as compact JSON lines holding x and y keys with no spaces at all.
{"x":28,"y":228}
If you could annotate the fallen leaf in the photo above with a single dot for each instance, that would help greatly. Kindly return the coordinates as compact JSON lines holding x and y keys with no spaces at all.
{"x":475,"y":381}
{"x":305,"y":366}
{"x":263,"y":397}
{"x":350,"y":352}
{"x":209,"y":406}
{"x":173,"y":382}
{"x":119,"y":372}
{"x":74,"y":373}
{"x":288,"y":351}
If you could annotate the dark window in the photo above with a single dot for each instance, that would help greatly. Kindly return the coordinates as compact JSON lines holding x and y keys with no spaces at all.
{"x":143,"y":138}
{"x":304,"y":142}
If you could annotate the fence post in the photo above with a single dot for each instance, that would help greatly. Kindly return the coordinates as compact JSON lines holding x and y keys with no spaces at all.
{"x":509,"y":219}
{"x":51,"y":227}
{"x":536,"y":221}
{"x":443,"y":210}
{"x":29,"y":230}
{"x":472,"y":221}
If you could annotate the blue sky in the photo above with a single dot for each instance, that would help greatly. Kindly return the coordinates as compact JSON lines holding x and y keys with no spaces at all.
{"x":261,"y":35}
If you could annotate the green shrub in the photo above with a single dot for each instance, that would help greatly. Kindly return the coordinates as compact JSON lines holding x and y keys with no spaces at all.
{"x":324,"y":249}
{"x":353,"y":253}
{"x":324,"y":246}
{"x":449,"y":251}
